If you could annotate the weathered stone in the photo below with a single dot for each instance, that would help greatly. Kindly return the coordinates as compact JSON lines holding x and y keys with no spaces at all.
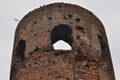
{"x":35,"y":59}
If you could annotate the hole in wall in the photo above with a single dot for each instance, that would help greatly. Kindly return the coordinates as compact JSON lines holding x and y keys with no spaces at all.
{"x":61,"y":45}
{"x":59,"y":6}
{"x":80,"y":28}
{"x":69,"y":15}
{"x":35,"y":22}
{"x":78,"y":37}
{"x":42,"y":9}
{"x":21,"y":49}
{"x":61,"y":32}
{"x":90,"y":45}
{"x":77,"y":20}
{"x":35,"y":35}
{"x":49,"y":18}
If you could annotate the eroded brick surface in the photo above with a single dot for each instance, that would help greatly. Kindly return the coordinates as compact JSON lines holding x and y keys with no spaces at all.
{"x":35,"y":59}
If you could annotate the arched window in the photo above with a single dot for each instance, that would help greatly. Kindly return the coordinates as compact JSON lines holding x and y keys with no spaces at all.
{"x":63,"y":34}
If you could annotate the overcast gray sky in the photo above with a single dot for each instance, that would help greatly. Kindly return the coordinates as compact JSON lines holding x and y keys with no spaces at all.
{"x":108,"y":11}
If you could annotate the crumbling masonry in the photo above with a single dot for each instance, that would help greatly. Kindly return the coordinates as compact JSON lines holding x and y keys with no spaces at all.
{"x":35,"y":59}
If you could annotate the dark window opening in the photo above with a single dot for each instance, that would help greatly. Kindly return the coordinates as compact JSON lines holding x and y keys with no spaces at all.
{"x":62,"y":32}
{"x":21,"y":49}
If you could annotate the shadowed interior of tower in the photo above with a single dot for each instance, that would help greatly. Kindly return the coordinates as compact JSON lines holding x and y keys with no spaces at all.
{"x":62,"y":32}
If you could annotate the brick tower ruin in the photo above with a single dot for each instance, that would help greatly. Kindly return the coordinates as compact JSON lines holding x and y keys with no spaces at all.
{"x":34,"y":57}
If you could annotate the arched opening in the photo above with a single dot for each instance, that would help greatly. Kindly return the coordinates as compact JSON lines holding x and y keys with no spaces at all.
{"x":61,"y":45}
{"x":63,"y":33}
